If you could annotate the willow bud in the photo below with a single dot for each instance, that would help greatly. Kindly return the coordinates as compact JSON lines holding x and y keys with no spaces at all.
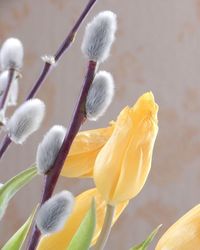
{"x":49,"y":147}
{"x":99,"y":36}
{"x":25,"y":120}
{"x":53,"y":214}
{"x":100,"y":95}
{"x":11,"y":54}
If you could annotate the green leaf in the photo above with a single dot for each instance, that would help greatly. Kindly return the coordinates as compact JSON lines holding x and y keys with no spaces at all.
{"x":83,"y":236}
{"x":17,"y":240}
{"x":146,"y":243}
{"x":10,"y":188}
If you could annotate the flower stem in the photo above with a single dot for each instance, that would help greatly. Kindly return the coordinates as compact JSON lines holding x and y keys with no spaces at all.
{"x":101,"y":242}
{"x":47,"y":66}
{"x":78,"y":118}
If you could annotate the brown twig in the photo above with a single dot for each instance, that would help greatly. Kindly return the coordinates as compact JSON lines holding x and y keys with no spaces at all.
{"x":46,"y":69}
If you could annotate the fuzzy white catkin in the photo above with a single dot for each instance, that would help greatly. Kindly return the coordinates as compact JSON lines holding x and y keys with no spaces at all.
{"x":13,"y":93}
{"x":99,"y":36}
{"x":100,"y":95}
{"x":3,"y":82}
{"x":49,"y":147}
{"x":12,"y":97}
{"x":53,"y":214}
{"x":11,"y":54}
{"x":25,"y":120}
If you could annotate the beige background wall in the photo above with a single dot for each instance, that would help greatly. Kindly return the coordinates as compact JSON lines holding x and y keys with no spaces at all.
{"x":158,"y":49}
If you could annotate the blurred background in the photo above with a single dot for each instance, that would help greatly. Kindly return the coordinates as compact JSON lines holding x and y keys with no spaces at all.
{"x":157,"y":48}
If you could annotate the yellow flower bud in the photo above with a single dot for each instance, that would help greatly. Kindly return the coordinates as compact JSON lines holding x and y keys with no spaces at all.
{"x":123,"y":164}
{"x":184,"y":234}
{"x":61,"y":239}
{"x":84,"y":150}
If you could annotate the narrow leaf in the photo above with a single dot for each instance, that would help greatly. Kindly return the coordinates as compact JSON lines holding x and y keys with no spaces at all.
{"x":147,"y":242}
{"x":83,"y":236}
{"x":17,"y":240}
{"x":11,"y":187}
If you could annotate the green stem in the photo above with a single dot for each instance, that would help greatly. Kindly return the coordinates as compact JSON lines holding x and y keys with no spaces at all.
{"x":101,"y":242}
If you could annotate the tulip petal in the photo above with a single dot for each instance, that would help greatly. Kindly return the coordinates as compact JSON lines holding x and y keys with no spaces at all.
{"x":184,"y":234}
{"x":90,"y":140}
{"x":80,"y":165}
{"x":123,"y":164}
{"x":108,"y":162}
{"x":84,"y":150}
{"x":137,"y":158}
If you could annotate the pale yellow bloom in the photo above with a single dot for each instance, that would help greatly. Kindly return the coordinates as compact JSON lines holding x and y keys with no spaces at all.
{"x":123,"y":164}
{"x":84,"y":150}
{"x":184,"y":234}
{"x":61,"y":239}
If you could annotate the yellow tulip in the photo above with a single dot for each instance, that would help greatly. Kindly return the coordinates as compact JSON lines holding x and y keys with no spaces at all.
{"x":123,"y":164}
{"x":184,"y":234}
{"x":84,"y":150}
{"x":61,"y":239}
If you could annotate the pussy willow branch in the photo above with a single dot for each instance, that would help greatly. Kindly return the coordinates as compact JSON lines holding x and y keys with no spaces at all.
{"x":6,"y":141}
{"x":47,"y":66}
{"x":103,"y":237}
{"x":78,"y":119}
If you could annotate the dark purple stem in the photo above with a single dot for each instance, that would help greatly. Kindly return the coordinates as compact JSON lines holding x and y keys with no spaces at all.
{"x":4,"y":145}
{"x":6,"y":141}
{"x":73,"y":31}
{"x":63,"y":48}
{"x":78,"y":119}
{"x":35,"y":238}
{"x":5,"y":94}
{"x":40,"y":80}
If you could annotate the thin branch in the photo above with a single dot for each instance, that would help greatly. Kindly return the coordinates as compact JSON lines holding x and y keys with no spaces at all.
{"x":78,"y":118}
{"x":46,"y":69}
{"x":62,"y":49}
{"x":4,"y":144}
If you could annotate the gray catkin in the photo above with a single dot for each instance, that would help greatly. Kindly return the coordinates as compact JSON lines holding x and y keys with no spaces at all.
{"x":49,"y":147}
{"x":25,"y":120}
{"x":100,"y":95}
{"x":99,"y":36}
{"x":53,"y":214}
{"x":11,"y":54}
